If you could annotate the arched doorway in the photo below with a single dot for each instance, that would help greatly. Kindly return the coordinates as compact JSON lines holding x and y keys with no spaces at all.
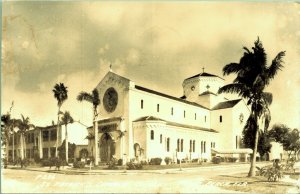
{"x":107,"y":147}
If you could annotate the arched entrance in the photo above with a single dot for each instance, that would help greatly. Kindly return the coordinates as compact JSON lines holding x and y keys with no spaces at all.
{"x":107,"y":147}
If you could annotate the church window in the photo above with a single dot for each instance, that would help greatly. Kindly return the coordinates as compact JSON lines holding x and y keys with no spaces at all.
{"x":152,"y":135}
{"x":168,"y":144}
{"x":184,"y":113}
{"x":178,"y":145}
{"x":195,"y":116}
{"x":142,"y":104}
{"x":172,"y":111}
{"x":221,"y":119}
{"x":191,"y":145}
{"x":157,"y":108}
{"x":201,"y":146}
{"x":204,"y":147}
{"x":181,"y":145}
{"x":194,"y":142}
{"x":204,"y":118}
{"x":160,"y":138}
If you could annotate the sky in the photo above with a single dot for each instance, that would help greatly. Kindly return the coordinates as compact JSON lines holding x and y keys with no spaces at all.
{"x":155,"y":44}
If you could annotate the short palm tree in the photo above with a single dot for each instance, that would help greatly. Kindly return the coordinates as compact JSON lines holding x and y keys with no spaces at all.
{"x":94,"y":99}
{"x":6,"y":130}
{"x":61,"y":95}
{"x":66,"y":119}
{"x":253,"y":75}
{"x":24,"y":125}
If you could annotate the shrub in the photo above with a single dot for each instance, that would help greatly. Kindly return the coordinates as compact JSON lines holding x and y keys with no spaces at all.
{"x":112,"y":164}
{"x":120,"y":162}
{"x":195,"y":160}
{"x":270,"y":172}
{"x":144,"y":162}
{"x":231,"y":159}
{"x":134,"y":166}
{"x":216,"y":160}
{"x":168,"y":160}
{"x":155,"y":161}
{"x":78,"y":164}
{"x":57,"y":162}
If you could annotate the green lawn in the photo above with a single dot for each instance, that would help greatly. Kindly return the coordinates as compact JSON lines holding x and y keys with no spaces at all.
{"x":257,"y":184}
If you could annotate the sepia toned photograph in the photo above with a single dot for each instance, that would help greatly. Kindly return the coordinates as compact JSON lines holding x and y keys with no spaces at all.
{"x":150,"y":97}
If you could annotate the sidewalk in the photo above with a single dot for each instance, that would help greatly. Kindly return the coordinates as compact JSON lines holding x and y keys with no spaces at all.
{"x":75,"y":171}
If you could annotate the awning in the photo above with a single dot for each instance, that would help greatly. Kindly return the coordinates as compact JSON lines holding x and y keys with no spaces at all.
{"x":233,"y":151}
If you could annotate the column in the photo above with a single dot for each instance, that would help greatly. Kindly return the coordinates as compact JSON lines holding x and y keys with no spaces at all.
{"x":40,"y":144}
{"x":96,"y":149}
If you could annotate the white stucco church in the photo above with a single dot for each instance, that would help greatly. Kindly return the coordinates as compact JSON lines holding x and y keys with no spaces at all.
{"x":138,"y":122}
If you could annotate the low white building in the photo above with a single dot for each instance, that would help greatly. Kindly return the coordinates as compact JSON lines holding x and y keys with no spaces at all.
{"x":137,"y":122}
{"x":41,"y":141}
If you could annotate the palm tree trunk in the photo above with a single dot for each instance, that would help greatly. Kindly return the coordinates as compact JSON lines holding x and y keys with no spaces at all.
{"x":24,"y":140}
{"x":253,"y":161}
{"x":57,"y":131}
{"x":66,"y":143}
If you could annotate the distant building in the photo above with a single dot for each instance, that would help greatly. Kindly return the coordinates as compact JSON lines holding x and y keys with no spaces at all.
{"x":41,"y":141}
{"x":137,"y":122}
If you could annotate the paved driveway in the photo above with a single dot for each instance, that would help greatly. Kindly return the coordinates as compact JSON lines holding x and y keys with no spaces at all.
{"x":174,"y":181}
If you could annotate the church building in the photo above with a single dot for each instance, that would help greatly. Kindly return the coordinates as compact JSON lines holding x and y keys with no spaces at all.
{"x":139,"y":123}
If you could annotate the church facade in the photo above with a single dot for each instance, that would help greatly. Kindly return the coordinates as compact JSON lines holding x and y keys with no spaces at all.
{"x":140,"y":123}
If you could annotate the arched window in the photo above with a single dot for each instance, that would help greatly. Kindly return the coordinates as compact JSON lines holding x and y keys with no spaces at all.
{"x":191,"y":146}
{"x":142,"y":104}
{"x":201,"y":146}
{"x":152,"y":135}
{"x":184,"y":114}
{"x":178,"y":145}
{"x":204,"y":147}
{"x":172,"y":111}
{"x":168,"y":144}
{"x":160,"y":138}
{"x":157,"y":108}
{"x":137,"y":150}
{"x":194,"y":146}
{"x":221,"y":119}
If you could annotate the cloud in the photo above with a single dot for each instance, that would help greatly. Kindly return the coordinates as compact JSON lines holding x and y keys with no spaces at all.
{"x":151,"y":42}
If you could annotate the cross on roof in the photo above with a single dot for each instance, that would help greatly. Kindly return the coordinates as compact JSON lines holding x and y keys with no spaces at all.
{"x":203,"y":69}
{"x":110,"y":67}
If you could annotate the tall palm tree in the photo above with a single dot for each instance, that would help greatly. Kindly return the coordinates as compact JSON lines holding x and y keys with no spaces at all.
{"x":24,"y":125}
{"x":61,"y":95}
{"x":253,"y":75}
{"x":66,"y":119}
{"x":91,"y":98}
{"x":94,"y":99}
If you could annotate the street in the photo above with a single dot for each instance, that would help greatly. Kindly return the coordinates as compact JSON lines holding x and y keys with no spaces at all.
{"x":172,"y":180}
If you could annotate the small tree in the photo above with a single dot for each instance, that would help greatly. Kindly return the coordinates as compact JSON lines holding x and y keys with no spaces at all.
{"x":264,"y":142}
{"x":290,"y":139}
{"x":66,"y":119}
{"x":62,"y":150}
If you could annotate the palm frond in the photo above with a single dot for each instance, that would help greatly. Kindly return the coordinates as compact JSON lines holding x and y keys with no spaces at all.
{"x":239,"y":89}
{"x":60,"y":93}
{"x":231,"y":68}
{"x":96,"y":99}
{"x":67,"y":118}
{"x":277,"y":64}
{"x":84,"y":96}
{"x":268,"y":97}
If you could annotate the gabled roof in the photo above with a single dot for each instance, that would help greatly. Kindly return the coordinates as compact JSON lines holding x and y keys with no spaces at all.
{"x":152,"y":118}
{"x":168,"y":96}
{"x":226,"y":104}
{"x":204,"y":75}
